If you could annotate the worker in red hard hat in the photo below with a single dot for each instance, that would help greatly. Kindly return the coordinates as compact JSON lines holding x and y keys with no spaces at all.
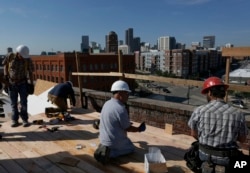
{"x":218,"y":127}
{"x":212,"y":81}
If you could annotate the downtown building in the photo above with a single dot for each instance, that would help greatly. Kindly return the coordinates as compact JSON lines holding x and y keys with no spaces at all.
{"x":184,"y":63}
{"x":112,"y":42}
{"x":129,"y":39}
{"x":166,"y":43}
{"x":209,"y":42}
{"x":58,"y":68}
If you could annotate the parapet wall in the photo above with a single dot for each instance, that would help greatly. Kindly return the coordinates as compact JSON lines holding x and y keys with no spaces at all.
{"x":161,"y":114}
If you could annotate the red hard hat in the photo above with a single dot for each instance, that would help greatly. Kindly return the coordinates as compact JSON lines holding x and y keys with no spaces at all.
{"x":210,"y":82}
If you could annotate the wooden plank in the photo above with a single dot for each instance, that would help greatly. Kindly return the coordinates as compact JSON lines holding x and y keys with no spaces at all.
{"x":69,"y":146}
{"x":175,"y":81}
{"x":243,"y":88}
{"x":9,"y":164}
{"x":97,"y":74}
{"x":237,"y":52}
{"x":46,"y":148}
{"x":28,"y":149}
{"x":2,"y":169}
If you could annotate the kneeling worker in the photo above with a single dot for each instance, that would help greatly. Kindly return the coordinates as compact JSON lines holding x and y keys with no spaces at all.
{"x":59,"y":94}
{"x":114,"y":125}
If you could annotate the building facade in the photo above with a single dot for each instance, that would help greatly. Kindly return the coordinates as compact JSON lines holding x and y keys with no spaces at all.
{"x":184,"y":63}
{"x":124,"y":49}
{"x":208,"y":42}
{"x":85,"y":44}
{"x":166,"y":43}
{"x":180,"y":62}
{"x":150,"y":61}
{"x":112,"y":42}
{"x":129,"y":39}
{"x":58,"y":68}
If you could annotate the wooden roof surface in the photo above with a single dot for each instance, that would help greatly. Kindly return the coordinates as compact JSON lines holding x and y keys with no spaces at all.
{"x":35,"y":149}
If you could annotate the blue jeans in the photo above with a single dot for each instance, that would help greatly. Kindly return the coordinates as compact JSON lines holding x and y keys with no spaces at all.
{"x":14,"y":90}
{"x":127,"y":148}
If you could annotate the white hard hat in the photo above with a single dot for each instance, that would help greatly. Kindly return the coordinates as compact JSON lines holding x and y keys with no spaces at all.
{"x":23,"y":51}
{"x":120,"y":86}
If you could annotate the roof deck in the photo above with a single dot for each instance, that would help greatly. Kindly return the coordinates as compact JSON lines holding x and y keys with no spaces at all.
{"x":35,"y":149}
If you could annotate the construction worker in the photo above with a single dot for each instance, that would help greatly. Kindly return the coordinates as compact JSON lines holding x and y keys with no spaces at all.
{"x":114,"y":125}
{"x":16,"y":68}
{"x":218,"y":127}
{"x":59,"y":94}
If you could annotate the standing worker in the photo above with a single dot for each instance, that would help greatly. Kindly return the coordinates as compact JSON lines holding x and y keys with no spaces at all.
{"x":16,"y":68}
{"x":59,"y":94}
{"x":114,"y":125}
{"x":217,"y":126}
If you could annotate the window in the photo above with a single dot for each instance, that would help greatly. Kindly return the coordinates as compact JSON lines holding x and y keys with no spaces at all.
{"x":96,"y":67}
{"x":90,"y":67}
{"x":84,"y":67}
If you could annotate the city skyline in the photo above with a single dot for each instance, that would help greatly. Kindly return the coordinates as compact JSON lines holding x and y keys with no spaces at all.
{"x":47,"y":26}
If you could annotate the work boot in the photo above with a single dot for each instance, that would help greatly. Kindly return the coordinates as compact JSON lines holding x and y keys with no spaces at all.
{"x":26,"y":124}
{"x":101,"y":154}
{"x":14,"y":123}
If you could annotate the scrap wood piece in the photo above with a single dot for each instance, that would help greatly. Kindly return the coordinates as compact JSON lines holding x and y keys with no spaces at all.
{"x":69,"y":161}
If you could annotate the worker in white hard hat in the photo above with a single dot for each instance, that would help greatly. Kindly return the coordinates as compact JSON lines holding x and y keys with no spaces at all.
{"x":18,"y":69}
{"x":114,"y":125}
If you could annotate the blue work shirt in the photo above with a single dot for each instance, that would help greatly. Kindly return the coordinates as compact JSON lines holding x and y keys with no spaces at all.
{"x":63,"y":90}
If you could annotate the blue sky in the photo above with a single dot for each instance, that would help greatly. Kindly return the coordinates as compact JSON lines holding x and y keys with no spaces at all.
{"x":46,"y":25}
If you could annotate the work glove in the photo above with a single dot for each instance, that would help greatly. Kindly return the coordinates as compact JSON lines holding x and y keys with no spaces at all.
{"x":142,"y":127}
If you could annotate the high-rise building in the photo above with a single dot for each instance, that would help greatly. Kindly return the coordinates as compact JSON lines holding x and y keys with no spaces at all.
{"x":209,"y":42}
{"x":124,"y":49}
{"x":129,"y":39}
{"x":9,"y":50}
{"x":137,"y":44}
{"x":85,"y":44}
{"x":112,"y":42}
{"x":166,"y":43}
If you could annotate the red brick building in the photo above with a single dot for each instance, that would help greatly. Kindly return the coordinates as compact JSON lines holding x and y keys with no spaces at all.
{"x":58,"y":68}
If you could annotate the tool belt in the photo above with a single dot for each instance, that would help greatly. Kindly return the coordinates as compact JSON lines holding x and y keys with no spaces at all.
{"x":220,"y":152}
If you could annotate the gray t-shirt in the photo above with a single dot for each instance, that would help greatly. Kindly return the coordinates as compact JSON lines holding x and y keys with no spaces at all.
{"x":114,"y":122}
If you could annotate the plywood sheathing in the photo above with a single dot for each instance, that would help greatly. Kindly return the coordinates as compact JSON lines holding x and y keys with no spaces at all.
{"x":42,"y":85}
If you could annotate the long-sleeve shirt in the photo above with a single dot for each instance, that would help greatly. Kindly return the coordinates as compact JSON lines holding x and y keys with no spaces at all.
{"x":64,"y":90}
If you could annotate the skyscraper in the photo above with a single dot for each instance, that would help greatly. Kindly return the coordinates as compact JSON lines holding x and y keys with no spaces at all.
{"x":137,"y":43}
{"x":85,"y":43}
{"x":209,"y":42}
{"x":166,"y":43}
{"x":129,"y":38}
{"x":112,"y":42}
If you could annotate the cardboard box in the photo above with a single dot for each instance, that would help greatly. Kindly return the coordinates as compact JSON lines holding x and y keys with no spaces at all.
{"x":154,"y":161}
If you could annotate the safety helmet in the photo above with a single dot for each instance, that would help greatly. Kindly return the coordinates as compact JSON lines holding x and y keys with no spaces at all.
{"x":120,"y":86}
{"x":69,"y":82}
{"x":210,"y":82}
{"x":23,"y":51}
